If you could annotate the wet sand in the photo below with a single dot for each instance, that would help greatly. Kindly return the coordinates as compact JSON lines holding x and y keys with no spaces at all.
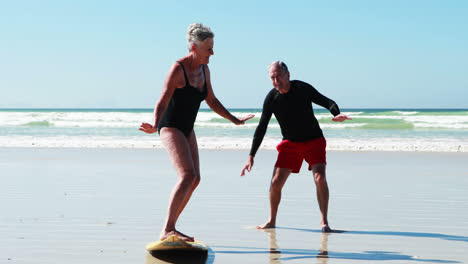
{"x":105,"y":205}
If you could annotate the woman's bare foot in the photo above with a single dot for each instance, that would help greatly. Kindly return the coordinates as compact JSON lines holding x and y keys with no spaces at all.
{"x":166,"y":234}
{"x":266,"y":225}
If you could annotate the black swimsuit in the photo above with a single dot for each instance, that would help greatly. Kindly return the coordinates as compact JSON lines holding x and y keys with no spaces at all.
{"x":183,"y":108}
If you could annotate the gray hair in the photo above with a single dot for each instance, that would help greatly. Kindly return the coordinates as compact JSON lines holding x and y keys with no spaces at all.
{"x":197,"y":33}
{"x":281,"y":64}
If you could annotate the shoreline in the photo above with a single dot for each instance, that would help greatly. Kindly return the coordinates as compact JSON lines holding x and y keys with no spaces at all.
{"x":459,"y":149}
{"x":370,"y":130}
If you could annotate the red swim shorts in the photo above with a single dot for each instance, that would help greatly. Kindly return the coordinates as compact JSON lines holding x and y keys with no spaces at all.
{"x":292,"y":154}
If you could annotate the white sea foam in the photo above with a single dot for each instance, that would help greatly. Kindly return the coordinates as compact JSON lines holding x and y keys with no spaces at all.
{"x":444,"y":126}
{"x":230,"y":125}
{"x":398,"y":144}
{"x":377,"y":117}
{"x":445,"y":122}
{"x":406,"y":112}
{"x":376,"y":131}
{"x":342,"y":125}
{"x":244,"y":143}
{"x":352,"y":113}
{"x":209,"y":119}
{"x":74,"y":119}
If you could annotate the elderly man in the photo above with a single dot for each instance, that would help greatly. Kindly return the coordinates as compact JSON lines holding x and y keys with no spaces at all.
{"x":291,"y":103}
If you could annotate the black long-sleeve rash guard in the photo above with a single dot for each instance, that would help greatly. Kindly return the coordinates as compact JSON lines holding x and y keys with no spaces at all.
{"x":294,"y":113}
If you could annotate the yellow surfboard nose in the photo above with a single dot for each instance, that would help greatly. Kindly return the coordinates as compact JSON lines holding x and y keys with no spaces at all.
{"x":175,"y":243}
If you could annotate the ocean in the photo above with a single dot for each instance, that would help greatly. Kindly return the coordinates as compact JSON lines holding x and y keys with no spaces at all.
{"x":432,"y":130}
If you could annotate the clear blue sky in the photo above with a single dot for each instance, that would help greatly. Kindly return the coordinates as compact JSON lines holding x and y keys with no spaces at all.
{"x":362,"y":54}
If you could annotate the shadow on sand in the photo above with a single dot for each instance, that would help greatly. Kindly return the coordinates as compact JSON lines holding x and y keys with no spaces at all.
{"x":390,"y":233}
{"x":277,"y":254}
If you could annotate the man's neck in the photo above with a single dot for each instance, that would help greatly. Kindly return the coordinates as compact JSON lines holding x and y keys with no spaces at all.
{"x":287,"y":89}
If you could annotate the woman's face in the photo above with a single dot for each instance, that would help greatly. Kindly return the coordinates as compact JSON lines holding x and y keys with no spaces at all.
{"x":204,"y":50}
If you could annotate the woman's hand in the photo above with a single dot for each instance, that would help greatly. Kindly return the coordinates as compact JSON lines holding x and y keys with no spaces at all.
{"x":241,"y":120}
{"x":147,"y":128}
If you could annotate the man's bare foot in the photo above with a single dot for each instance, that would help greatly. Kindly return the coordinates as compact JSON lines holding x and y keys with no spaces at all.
{"x":165,"y":234}
{"x":326,"y":229}
{"x":266,"y":225}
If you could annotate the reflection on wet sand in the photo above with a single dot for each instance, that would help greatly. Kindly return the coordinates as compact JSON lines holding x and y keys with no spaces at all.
{"x":275,"y":251}
{"x":323,"y":254}
{"x":323,"y":251}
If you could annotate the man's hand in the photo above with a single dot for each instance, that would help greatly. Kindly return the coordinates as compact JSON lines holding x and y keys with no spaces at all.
{"x":248,"y":166}
{"x":147,"y":128}
{"x":341,"y":118}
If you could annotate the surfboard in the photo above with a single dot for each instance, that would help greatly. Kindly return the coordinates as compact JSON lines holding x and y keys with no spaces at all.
{"x":168,"y":257}
{"x":174,"y":243}
{"x":175,"y":250}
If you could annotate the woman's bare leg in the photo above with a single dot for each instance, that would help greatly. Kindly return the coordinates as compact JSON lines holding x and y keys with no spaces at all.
{"x":192,"y":140}
{"x":180,"y":154}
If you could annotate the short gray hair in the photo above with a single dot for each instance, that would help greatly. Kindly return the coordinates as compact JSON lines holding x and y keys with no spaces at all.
{"x":281,"y":64}
{"x":197,"y":33}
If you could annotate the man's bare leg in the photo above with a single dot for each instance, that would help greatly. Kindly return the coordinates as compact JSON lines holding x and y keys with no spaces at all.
{"x":322,"y":193}
{"x":179,"y":152}
{"x":280,"y":175}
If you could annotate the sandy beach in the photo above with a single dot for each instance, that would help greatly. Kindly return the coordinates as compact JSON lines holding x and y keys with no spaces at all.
{"x":105,"y":205}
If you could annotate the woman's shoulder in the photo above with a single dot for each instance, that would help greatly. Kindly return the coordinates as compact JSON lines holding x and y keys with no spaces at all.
{"x":176,"y":71}
{"x":176,"y":75}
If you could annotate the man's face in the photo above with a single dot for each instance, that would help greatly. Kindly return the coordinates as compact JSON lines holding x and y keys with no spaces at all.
{"x":279,"y":79}
{"x":204,"y":50}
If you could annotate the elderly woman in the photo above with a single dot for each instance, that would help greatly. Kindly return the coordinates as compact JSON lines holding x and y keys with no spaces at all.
{"x":187,"y":84}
